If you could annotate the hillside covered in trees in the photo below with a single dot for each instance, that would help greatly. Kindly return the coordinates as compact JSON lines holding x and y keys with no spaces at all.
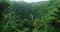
{"x":21,"y":16}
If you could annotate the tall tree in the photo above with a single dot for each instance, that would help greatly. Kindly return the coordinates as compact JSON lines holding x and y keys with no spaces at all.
{"x":55,"y":21}
{"x":3,"y":5}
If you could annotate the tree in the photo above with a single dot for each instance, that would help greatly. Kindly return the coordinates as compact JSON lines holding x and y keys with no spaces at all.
{"x":55,"y":20}
{"x":3,"y":5}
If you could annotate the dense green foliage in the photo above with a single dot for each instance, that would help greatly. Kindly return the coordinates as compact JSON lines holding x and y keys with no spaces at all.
{"x":30,"y":17}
